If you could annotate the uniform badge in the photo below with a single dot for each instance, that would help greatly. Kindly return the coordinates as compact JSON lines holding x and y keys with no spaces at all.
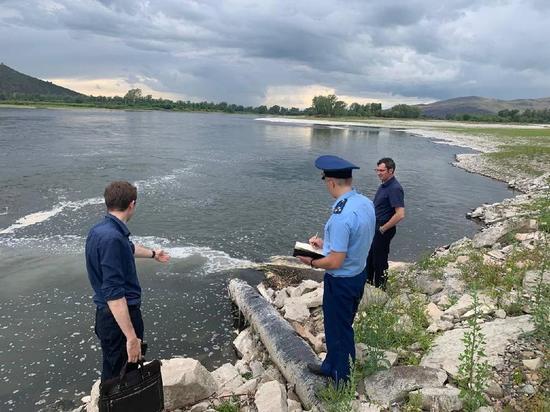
{"x":339,"y":207}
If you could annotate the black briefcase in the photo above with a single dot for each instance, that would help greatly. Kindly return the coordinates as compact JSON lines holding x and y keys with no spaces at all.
{"x":139,"y":390}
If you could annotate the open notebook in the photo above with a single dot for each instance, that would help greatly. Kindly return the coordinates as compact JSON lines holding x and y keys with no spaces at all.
{"x":305,"y":249}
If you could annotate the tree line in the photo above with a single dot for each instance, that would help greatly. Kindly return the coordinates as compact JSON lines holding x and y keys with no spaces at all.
{"x":322,"y":106}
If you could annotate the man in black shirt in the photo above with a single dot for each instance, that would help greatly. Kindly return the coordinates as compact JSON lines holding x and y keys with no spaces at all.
{"x":389,"y":205}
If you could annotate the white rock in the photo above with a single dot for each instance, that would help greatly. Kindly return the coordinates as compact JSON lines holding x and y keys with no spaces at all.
{"x":533,"y":364}
{"x":373,"y":296}
{"x":494,"y":389}
{"x":364,"y":406}
{"x":463,"y":305}
{"x":388,"y":386}
{"x":532,"y":278}
{"x":500,"y":313}
{"x":265,"y":293}
{"x":440,"y":399}
{"x":245,"y":344}
{"x":242,"y":367}
{"x":306,"y":286}
{"x":86,"y":399}
{"x":228,"y":378}
{"x":280,"y":297}
{"x":362,"y":350}
{"x":294,"y":406}
{"x":200,"y":407}
{"x":257,"y":368}
{"x":433,"y":312}
{"x":498,"y":334}
{"x":296,"y":311}
{"x":271,"y":397}
{"x":93,"y":406}
{"x":272,"y":374}
{"x":186,"y":382}
{"x":247,"y":388}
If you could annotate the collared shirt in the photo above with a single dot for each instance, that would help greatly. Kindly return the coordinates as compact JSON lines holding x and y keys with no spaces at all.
{"x":350,"y":229}
{"x":111,"y":264}
{"x":389,"y":195}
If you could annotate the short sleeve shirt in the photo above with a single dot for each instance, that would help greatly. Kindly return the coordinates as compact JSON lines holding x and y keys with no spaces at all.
{"x":389,"y":195}
{"x":111,"y":264}
{"x":350,"y":229}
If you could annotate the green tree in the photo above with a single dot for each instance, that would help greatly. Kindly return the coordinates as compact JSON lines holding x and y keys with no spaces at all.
{"x":133,"y":95}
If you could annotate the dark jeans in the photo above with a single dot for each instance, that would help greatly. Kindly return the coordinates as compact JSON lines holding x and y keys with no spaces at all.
{"x":341,"y":299}
{"x":113,"y":341}
{"x":377,"y":262}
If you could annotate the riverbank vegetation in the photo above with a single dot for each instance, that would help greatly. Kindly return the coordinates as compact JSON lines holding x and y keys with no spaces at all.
{"x":329,"y":106}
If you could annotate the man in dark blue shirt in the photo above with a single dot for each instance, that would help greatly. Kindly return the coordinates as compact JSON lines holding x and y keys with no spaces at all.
{"x":110,"y":261}
{"x":389,"y":205}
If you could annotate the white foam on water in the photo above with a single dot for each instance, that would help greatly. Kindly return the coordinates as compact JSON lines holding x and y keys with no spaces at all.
{"x":216,"y":260}
{"x":42,"y":216}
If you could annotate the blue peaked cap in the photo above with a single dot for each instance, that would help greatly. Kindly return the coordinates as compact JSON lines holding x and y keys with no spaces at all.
{"x":335,"y":166}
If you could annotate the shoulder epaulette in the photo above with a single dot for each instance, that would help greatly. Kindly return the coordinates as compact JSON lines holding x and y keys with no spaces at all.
{"x":339,"y":207}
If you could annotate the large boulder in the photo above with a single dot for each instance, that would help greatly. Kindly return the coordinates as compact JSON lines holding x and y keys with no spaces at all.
{"x":373,"y":296}
{"x":440,"y":399}
{"x":271,"y":397}
{"x":491,"y":235}
{"x":392,"y":385}
{"x":186,"y":382}
{"x":498,"y":334}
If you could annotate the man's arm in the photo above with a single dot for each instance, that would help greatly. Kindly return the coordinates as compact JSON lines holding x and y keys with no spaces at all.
{"x":334,"y":260}
{"x":397,"y":217}
{"x":119,"y":309}
{"x":143,"y":252}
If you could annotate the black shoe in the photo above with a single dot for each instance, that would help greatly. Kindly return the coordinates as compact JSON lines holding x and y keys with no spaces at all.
{"x":315,"y":368}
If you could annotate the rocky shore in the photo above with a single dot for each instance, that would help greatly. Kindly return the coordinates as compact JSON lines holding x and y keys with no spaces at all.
{"x":431,"y":303}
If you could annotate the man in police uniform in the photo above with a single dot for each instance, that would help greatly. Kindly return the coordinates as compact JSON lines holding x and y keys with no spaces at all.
{"x":389,"y":204}
{"x":112,"y":272}
{"x":347,"y":238}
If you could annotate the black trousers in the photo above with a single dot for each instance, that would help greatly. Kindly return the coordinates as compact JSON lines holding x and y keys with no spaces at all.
{"x":377,"y":261}
{"x":113,"y":341}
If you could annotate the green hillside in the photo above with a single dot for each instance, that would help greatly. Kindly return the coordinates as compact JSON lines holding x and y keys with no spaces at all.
{"x":480,"y":105}
{"x":14,"y":84}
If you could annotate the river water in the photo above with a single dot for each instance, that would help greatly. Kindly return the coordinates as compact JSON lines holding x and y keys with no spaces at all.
{"x":219,"y":192}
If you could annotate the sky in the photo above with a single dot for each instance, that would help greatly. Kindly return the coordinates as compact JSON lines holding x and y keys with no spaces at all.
{"x":283,"y":52}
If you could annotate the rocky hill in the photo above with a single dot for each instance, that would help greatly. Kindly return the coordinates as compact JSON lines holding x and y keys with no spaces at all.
{"x":480,"y":105}
{"x":14,"y":83}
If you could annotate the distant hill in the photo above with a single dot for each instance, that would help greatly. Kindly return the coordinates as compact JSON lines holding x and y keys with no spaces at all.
{"x":480,"y":105}
{"x":12,"y":82}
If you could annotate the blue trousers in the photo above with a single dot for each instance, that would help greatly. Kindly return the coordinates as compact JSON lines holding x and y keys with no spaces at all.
{"x":113,"y":341}
{"x":341,"y":299}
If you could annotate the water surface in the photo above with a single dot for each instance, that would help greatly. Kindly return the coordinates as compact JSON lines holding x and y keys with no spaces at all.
{"x":219,"y":192}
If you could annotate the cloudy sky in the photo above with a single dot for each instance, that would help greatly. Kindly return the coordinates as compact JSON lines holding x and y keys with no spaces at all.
{"x":283,"y":52}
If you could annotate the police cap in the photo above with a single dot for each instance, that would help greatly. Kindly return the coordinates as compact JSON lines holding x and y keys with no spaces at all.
{"x":334,"y":166}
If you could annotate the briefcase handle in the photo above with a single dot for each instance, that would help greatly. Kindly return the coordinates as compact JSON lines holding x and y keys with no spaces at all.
{"x":123,"y":370}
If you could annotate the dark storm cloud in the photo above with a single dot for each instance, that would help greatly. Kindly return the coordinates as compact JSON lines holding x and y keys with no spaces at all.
{"x":237,"y":50}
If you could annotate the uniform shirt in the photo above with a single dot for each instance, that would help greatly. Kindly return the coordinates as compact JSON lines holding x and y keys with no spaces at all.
{"x":350,"y":229}
{"x":111,"y":264}
{"x":389,"y":195}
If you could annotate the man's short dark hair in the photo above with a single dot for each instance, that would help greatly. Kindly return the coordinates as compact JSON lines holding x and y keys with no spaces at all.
{"x":390,"y":164}
{"x":118,"y":195}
